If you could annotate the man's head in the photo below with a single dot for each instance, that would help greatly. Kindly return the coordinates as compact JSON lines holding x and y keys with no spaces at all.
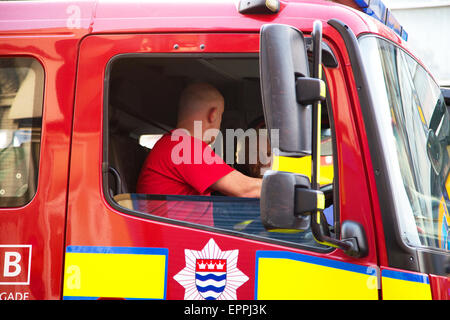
{"x":200,"y":102}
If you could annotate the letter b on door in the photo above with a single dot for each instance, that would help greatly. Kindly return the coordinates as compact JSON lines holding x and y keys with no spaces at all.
{"x":15,"y":263}
{"x":12,"y":266}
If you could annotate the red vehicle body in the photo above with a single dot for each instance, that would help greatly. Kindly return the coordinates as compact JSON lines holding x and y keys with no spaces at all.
{"x":69,"y":216}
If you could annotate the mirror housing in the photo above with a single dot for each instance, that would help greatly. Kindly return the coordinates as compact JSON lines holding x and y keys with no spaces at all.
{"x":278,"y":201}
{"x":287,"y":201}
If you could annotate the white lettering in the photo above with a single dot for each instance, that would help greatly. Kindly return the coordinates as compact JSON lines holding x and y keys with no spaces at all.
{"x":14,"y":295}
{"x":201,"y":310}
{"x":74,"y":19}
{"x":372,"y":281}
{"x":74,"y":277}
{"x":9,"y":263}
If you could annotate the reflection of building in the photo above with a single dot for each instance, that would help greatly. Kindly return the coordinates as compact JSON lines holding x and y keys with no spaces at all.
{"x":427,"y":23}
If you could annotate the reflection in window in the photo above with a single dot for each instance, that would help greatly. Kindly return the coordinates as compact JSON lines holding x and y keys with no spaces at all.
{"x":416,"y":124}
{"x":21,"y":97}
{"x":240,"y":215}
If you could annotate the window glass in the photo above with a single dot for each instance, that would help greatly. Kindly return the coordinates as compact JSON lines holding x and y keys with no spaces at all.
{"x":416,"y":127}
{"x":144,"y":101}
{"x":21,"y":97}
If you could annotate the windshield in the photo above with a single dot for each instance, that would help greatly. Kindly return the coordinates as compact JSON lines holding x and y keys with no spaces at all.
{"x":414,"y":123}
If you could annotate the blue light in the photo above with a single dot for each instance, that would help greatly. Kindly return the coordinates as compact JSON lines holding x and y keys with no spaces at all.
{"x":393,"y":23}
{"x":362,"y":3}
{"x":378,"y":10}
{"x":404,"y":35}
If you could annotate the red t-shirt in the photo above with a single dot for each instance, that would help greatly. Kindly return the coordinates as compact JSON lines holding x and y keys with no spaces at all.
{"x":180,"y":164}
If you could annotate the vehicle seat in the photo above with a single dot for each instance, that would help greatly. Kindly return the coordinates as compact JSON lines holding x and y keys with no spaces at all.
{"x":126,"y":157}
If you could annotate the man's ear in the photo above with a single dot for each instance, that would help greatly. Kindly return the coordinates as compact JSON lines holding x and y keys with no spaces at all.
{"x":213,"y":113}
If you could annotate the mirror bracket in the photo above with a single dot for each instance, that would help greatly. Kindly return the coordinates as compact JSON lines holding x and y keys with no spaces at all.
{"x":310,"y":90}
{"x":307,"y":201}
{"x":353,"y":242}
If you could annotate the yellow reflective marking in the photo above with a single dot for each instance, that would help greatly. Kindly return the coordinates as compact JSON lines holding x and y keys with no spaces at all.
{"x":396,"y":289}
{"x":323,"y":89}
{"x":296,"y":165}
{"x":115,"y":275}
{"x":292,"y":279}
{"x":288,"y":231}
{"x":319,"y":111}
{"x":320,"y":201}
{"x":302,"y":166}
{"x":421,"y":114}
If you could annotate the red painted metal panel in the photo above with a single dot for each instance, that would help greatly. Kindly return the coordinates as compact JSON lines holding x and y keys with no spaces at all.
{"x":41,"y":223}
{"x":25,"y":29}
{"x":93,"y":222}
{"x":440,"y":287}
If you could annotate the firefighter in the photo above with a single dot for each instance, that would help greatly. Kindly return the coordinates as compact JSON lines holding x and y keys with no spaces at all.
{"x":183,"y":163}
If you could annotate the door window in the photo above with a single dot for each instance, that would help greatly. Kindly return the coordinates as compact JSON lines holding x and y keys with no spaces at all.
{"x":145,"y":95}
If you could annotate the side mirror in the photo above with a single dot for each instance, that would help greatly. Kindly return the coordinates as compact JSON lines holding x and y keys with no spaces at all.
{"x":291,"y":103}
{"x":287,"y":92}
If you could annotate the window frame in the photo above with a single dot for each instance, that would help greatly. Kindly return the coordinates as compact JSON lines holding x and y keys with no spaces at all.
{"x":199,"y":227}
{"x":406,"y":53}
{"x":400,"y":254}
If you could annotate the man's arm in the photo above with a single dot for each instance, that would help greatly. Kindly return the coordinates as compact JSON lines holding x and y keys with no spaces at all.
{"x":236,"y":184}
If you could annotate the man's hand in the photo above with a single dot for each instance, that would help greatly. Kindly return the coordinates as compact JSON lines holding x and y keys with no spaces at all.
{"x":236,"y":184}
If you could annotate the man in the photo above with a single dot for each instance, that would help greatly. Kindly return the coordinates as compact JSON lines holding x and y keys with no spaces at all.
{"x":183,"y":163}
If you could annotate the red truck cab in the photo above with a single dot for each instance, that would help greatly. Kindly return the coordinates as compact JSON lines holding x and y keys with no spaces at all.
{"x":87,"y":87}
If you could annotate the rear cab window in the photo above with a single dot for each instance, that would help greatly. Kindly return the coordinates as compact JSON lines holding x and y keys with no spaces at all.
{"x":21,"y":99}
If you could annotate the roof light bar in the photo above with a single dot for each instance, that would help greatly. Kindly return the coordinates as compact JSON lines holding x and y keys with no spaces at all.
{"x":378,"y":10}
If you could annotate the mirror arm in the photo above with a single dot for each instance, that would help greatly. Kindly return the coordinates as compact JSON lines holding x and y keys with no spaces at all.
{"x":321,"y":235}
{"x":353,"y":243}
{"x":310,"y":202}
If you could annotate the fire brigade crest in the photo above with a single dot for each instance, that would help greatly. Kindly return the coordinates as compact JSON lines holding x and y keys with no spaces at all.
{"x":211,"y":274}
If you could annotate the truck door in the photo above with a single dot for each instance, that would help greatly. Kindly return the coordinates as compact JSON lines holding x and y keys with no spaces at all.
{"x":37,"y":77}
{"x":122,"y":244}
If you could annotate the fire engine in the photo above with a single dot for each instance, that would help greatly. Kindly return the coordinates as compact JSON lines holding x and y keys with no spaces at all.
{"x":355,"y":204}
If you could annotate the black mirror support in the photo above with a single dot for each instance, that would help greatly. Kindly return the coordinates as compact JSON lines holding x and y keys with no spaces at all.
{"x":318,"y":222}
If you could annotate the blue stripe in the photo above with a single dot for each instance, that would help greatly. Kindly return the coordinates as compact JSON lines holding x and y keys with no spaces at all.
{"x":118,"y":250}
{"x":79,"y":298}
{"x":210,"y":277}
{"x":315,"y":260}
{"x":121,"y":250}
{"x":96,"y":298}
{"x":421,"y":278}
{"x":211,"y":288}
